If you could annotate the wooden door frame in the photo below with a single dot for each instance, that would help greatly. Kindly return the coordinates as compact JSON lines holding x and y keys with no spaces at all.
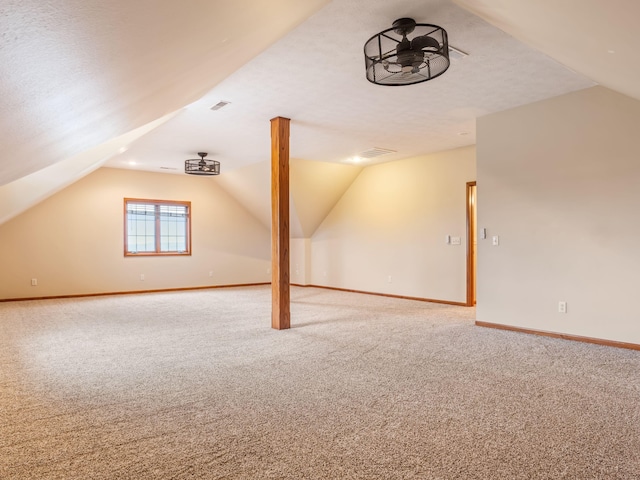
{"x":471,"y":273}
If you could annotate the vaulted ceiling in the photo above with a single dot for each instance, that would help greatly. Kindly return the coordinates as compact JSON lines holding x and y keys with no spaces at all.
{"x":87,"y":83}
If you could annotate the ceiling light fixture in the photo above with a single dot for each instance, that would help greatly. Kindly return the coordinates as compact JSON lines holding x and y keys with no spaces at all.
{"x":201,"y":166}
{"x":393,"y":59}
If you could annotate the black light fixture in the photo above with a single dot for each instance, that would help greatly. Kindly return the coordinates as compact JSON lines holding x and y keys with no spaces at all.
{"x":201,"y":166}
{"x":393,"y":59}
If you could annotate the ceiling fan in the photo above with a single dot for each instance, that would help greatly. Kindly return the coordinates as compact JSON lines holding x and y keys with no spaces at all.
{"x":201,"y":166}
{"x":392,"y":58}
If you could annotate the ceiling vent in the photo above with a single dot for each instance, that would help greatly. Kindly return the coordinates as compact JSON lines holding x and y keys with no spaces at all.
{"x":455,"y":54}
{"x":375,"y":152}
{"x":220,"y":105}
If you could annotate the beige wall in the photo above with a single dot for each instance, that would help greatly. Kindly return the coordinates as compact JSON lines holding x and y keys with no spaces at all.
{"x":392,"y":222}
{"x":558,"y":181}
{"x":73,"y":241}
{"x":300,"y":260}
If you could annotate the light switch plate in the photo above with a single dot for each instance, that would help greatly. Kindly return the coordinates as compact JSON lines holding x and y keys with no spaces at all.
{"x":495,"y":240}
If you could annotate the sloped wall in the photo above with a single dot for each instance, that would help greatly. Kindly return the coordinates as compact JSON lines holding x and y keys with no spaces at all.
{"x":391,"y":225}
{"x":315,"y":187}
{"x":73,"y":242}
{"x":558,"y":183}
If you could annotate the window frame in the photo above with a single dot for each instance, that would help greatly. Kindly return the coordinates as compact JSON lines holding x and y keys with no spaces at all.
{"x":156,"y":204}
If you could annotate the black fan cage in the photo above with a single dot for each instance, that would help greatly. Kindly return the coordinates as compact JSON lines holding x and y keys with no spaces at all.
{"x":407,"y":53}
{"x":202,"y":166}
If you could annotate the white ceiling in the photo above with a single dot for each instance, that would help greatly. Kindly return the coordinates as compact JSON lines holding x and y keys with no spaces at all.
{"x":315,"y":76}
{"x":79,"y":76}
{"x":594,"y":37}
{"x":77,"y":73}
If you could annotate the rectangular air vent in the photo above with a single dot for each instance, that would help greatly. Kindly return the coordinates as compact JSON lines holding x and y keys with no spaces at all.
{"x":219,"y":105}
{"x":455,"y":54}
{"x":375,"y":152}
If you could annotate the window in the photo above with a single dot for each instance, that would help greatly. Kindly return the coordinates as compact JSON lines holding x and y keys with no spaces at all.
{"x":156,"y":227}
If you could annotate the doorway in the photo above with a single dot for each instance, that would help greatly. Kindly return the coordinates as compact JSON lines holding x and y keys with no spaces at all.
{"x":472,"y":242}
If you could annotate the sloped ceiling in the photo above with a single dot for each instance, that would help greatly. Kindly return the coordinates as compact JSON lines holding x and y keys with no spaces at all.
{"x":315,"y":75}
{"x":315,"y":187}
{"x":21,"y":194}
{"x":594,"y":37}
{"x":77,"y":73}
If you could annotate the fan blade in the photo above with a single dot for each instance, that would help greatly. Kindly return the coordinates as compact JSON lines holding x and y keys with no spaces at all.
{"x":425,"y":41}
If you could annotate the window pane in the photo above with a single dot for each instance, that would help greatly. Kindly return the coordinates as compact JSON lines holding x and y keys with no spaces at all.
{"x":173,"y":228}
{"x":141,"y":226}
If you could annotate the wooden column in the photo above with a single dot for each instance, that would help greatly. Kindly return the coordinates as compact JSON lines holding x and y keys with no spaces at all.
{"x":280,"y":300}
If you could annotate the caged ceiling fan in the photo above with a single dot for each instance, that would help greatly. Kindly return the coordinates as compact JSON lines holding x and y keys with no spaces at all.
{"x":393,"y":58}
{"x":202,"y":166}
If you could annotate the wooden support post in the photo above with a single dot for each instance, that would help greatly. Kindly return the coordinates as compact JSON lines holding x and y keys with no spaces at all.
{"x":280,"y":300}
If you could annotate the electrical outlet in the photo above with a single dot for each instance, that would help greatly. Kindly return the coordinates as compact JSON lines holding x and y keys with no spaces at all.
{"x":34,"y":282}
{"x":142,"y":277}
{"x":211,"y":273}
{"x":389,"y":279}
{"x":562,"y":307}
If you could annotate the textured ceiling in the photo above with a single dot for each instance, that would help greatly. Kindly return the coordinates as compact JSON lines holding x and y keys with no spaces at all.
{"x":594,"y":37}
{"x":315,"y":76}
{"x":20,"y":195}
{"x":80,"y":73}
{"x":76,"y":73}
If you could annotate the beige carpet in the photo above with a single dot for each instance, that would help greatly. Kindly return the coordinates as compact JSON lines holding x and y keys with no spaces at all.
{"x":196,"y":385}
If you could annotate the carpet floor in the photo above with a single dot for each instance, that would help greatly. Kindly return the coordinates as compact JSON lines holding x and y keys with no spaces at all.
{"x":197,"y":385}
